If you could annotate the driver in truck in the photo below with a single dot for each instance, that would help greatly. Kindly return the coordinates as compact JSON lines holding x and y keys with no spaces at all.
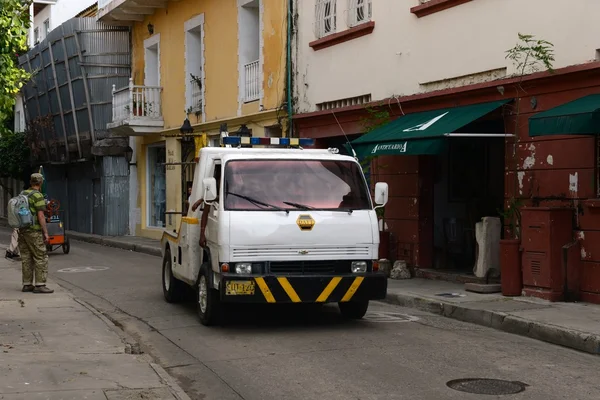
{"x":205,"y":211}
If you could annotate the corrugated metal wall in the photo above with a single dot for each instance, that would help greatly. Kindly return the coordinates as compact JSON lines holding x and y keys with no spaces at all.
{"x":74,"y":68}
{"x":93,"y":194}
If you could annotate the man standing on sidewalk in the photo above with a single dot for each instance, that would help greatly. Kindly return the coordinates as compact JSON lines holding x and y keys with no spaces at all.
{"x":32,"y":241}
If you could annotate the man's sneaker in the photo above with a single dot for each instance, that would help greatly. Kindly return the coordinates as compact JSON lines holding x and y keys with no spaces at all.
{"x":28,"y":288}
{"x":42,"y":289}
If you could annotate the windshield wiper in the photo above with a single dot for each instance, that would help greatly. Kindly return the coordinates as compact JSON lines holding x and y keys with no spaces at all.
{"x":258,"y":202}
{"x":298,"y":205}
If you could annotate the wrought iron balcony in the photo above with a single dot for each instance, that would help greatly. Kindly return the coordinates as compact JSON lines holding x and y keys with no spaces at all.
{"x":136,"y":110}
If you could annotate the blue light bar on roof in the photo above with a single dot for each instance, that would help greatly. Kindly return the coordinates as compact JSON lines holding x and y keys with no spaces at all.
{"x":263,"y":141}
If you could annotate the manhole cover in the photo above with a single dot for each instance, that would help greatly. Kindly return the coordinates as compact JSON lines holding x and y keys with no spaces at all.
{"x":493,"y":387}
{"x":82,"y":269}
{"x":381,"y":316}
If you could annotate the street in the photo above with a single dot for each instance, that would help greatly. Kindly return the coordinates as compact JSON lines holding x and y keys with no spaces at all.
{"x":292,"y":353}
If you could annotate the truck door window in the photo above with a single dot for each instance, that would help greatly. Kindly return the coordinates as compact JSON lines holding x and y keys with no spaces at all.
{"x":217,"y":176}
{"x":316,"y":184}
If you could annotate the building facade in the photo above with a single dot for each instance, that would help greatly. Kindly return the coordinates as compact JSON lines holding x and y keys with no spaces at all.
{"x":427,"y":90}
{"x":212,"y":62}
{"x":67,"y":105}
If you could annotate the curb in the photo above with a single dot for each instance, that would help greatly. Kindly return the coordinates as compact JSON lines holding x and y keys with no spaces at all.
{"x":108,"y":242}
{"x":138,"y":248}
{"x":585,"y":342}
{"x":133,"y":347}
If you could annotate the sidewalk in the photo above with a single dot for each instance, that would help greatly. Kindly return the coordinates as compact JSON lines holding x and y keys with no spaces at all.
{"x":55,"y":347}
{"x":574,"y":325}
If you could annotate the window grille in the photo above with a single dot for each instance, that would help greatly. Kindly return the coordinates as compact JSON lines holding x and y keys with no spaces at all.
{"x":325,"y":17}
{"x":359,"y":11}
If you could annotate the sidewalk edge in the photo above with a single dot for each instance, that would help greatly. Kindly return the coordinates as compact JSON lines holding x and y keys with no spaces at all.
{"x":170,"y":382}
{"x":585,"y":342}
{"x":138,"y":248}
{"x":133,"y":347}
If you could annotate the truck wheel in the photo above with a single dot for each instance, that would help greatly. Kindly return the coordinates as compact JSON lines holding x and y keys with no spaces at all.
{"x":208,"y":302}
{"x":354,"y":310}
{"x":173,"y":288}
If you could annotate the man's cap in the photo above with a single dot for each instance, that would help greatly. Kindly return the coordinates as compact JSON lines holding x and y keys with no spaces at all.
{"x":37,"y":178}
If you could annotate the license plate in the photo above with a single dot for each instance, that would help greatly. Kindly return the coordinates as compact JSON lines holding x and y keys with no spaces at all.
{"x":239,"y":288}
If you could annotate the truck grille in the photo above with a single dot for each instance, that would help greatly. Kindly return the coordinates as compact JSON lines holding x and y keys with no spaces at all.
{"x":240,"y":253}
{"x":310,"y":267}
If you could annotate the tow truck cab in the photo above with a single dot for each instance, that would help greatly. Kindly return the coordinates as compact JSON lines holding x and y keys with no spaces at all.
{"x":284,"y":226}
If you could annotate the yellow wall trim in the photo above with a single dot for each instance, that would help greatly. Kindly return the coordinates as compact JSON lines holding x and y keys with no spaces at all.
{"x":205,"y":126}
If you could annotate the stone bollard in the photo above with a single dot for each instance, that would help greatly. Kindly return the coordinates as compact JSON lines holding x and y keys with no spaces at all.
{"x":385,"y":266}
{"x":400,"y":270}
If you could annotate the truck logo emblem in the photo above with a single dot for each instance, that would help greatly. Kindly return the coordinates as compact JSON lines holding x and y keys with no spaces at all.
{"x":303,"y":252}
{"x":305,"y":222}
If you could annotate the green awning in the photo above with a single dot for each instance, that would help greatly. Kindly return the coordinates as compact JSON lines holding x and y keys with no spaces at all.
{"x":578,"y":117}
{"x":420,"y":133}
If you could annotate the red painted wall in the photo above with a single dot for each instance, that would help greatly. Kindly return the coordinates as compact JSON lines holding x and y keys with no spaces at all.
{"x":545,"y":165}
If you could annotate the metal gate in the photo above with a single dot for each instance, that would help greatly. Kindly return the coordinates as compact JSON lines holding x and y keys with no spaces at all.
{"x":188,"y":168}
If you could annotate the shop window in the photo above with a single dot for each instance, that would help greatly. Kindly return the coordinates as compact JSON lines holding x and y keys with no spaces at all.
{"x":157,"y":186}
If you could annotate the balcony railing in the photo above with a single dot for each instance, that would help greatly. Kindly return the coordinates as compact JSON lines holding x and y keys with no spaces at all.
{"x":136,"y":102}
{"x":196,"y":100}
{"x":252,"y":81}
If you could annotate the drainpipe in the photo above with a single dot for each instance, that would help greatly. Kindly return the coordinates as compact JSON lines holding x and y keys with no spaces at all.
{"x":289,"y":68}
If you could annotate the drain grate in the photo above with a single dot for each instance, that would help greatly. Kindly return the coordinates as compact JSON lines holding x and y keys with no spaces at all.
{"x":487,"y":386}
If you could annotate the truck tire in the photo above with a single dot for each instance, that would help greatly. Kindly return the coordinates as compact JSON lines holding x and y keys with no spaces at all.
{"x":173,"y":288}
{"x":354,"y":310}
{"x":208,"y":303}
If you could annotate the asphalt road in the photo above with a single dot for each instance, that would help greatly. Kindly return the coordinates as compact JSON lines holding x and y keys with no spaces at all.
{"x":266,"y":353}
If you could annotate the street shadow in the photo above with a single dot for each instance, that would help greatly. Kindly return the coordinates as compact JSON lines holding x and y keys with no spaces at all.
{"x":269,"y":317}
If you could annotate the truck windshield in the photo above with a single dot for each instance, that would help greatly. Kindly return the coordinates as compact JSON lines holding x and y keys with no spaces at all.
{"x":294,"y":185}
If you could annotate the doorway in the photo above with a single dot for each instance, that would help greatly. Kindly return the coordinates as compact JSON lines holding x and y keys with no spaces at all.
{"x":468,"y":185}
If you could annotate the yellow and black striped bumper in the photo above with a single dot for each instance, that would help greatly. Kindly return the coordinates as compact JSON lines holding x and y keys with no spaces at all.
{"x":304,"y":289}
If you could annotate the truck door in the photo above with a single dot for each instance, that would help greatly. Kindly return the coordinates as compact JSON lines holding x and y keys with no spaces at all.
{"x":213,"y":215}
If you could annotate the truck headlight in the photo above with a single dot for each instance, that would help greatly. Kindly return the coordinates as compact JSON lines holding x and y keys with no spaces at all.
{"x":243,"y":268}
{"x":359,"y":267}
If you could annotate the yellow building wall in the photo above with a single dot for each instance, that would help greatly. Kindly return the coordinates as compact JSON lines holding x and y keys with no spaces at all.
{"x":221,"y":66}
{"x":220,"y":56}
{"x":274,"y":52}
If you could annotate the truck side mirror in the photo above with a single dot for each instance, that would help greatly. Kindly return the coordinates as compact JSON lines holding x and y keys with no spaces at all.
{"x":381,"y":193}
{"x":210,"y":189}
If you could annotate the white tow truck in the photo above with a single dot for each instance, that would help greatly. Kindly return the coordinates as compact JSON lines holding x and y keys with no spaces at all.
{"x":282,"y":225}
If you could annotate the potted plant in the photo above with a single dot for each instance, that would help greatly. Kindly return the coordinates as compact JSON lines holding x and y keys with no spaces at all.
{"x":528,"y":56}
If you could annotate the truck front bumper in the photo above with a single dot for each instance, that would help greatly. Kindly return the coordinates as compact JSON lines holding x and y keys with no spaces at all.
{"x":302,"y":289}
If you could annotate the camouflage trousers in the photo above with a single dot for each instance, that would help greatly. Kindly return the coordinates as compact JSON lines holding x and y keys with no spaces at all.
{"x":34,"y":257}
